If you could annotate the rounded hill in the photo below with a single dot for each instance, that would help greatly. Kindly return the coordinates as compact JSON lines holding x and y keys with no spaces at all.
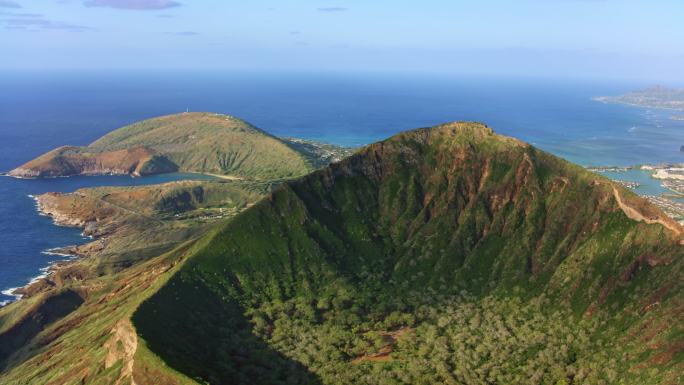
{"x":191,"y":142}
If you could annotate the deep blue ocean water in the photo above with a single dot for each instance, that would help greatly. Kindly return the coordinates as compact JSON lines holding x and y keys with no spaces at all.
{"x":39,"y":111}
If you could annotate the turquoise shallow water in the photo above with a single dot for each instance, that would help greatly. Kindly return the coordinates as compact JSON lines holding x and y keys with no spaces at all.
{"x":39,"y":111}
{"x":647,"y":185}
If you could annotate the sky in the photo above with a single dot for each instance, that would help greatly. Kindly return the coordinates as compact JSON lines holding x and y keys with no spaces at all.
{"x":630,"y":39}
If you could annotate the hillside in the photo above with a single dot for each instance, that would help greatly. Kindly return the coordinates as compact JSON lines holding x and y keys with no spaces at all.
{"x":192,"y":142}
{"x":444,"y":255}
{"x":81,"y":301}
{"x":129,"y":224}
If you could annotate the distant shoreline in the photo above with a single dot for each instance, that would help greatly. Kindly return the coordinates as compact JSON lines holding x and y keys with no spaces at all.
{"x":657,"y":97}
{"x":605,"y":100}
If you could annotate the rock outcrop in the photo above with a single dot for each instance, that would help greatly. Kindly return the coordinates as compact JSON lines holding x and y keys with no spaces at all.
{"x":70,"y":160}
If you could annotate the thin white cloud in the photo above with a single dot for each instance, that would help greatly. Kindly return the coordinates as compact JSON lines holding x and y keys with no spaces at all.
{"x":27,"y":15}
{"x":333,"y":9}
{"x":36,"y":22}
{"x":33,"y":24}
{"x":9,"y":4}
{"x":139,"y":5}
{"x":184,"y":33}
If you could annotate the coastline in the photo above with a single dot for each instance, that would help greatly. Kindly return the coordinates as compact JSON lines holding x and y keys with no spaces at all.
{"x":10,"y":293}
{"x":9,"y":175}
{"x":44,"y":277}
{"x":67,"y":254}
{"x":64,"y":256}
{"x":661,"y":184}
{"x":616,"y":100}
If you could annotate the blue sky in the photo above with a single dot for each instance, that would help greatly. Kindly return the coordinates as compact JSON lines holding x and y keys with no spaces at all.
{"x":570,"y":38}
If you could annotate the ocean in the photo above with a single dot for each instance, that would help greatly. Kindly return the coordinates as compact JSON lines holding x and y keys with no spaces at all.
{"x":40,"y":111}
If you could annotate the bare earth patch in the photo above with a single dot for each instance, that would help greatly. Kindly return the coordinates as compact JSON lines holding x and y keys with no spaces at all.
{"x":122,"y":346}
{"x":636,"y":215}
{"x":383,"y":355}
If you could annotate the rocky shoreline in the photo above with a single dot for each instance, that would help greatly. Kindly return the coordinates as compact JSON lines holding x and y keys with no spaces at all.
{"x":51,"y":275}
{"x":72,"y":160}
{"x":58,"y":218}
{"x":131,"y":223}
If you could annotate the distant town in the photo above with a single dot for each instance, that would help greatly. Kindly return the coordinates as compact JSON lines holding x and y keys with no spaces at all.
{"x":668,"y":176}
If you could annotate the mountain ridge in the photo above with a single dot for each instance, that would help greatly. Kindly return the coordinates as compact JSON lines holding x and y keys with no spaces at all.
{"x":430,"y":213}
{"x":440,"y":255}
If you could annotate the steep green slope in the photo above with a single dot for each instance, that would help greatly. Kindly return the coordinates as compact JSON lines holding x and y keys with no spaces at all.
{"x":195,"y":142}
{"x":73,"y":327}
{"x":94,"y":343}
{"x":442,"y":255}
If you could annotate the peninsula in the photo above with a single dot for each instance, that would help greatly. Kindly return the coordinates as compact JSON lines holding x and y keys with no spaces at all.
{"x":129,"y":224}
{"x":189,"y":142}
{"x":654,"y":97}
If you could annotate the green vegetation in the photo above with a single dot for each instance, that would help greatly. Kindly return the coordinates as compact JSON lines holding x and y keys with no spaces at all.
{"x":130,"y":224}
{"x":84,"y":346}
{"x":194,"y":142}
{"x":445,"y":255}
{"x":211,"y":143}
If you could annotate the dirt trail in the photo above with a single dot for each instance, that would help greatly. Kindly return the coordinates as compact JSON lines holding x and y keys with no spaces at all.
{"x":220,"y":176}
{"x":634,"y":214}
{"x":383,"y":355}
{"x":122,"y":346}
{"x":130,"y":211}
